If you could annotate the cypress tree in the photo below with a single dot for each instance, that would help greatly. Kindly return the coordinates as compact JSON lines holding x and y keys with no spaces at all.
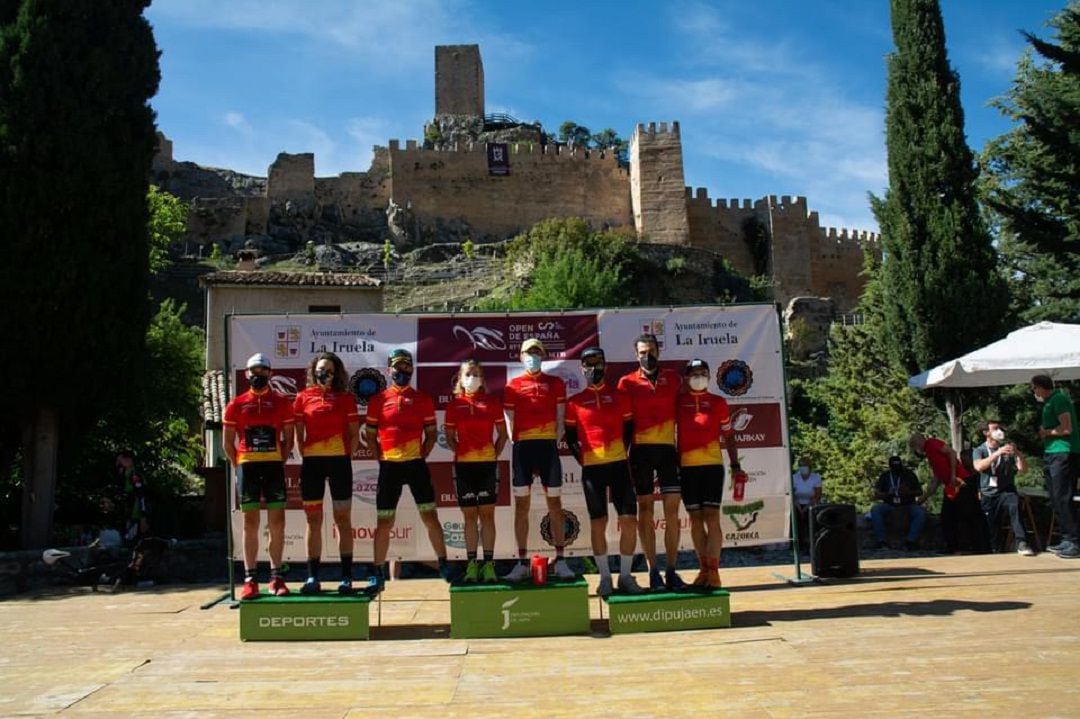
{"x":76,"y":142}
{"x":943,"y":292}
{"x":1034,"y":174}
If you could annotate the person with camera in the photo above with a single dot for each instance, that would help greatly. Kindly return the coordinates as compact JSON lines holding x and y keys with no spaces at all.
{"x":998,"y":463}
{"x":898,"y":489}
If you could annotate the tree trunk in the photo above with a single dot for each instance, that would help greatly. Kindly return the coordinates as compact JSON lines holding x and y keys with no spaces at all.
{"x":40,"y":445}
{"x":956,"y":428}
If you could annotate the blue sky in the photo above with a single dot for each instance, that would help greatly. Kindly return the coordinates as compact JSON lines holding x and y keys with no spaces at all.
{"x":773,"y":96}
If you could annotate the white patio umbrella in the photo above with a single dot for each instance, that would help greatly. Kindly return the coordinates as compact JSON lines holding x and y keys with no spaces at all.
{"x":1043,"y":348}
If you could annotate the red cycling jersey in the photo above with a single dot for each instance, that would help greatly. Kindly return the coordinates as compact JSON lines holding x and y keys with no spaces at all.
{"x":326,"y":415}
{"x":259,"y":418}
{"x":534,"y":400}
{"x":473,"y":419}
{"x":702,"y":418}
{"x":653,"y":405}
{"x":599,"y":413}
{"x":400,"y":416}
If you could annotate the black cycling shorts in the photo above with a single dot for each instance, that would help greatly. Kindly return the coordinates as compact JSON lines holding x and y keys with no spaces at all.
{"x":315,"y":472}
{"x":475,"y":482}
{"x":600,"y":479}
{"x":702,"y":487}
{"x":536,"y":457}
{"x":651,"y":463}
{"x":258,"y":481}
{"x":393,"y":476}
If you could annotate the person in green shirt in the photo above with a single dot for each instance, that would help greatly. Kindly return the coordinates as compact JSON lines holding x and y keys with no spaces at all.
{"x":1060,"y":434}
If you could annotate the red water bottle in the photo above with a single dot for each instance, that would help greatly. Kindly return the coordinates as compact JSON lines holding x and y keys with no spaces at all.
{"x":539,"y":570}
{"x":739,"y":487}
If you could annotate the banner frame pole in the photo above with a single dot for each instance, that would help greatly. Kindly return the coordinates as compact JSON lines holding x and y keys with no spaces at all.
{"x":799,"y":579}
{"x":229,"y":478}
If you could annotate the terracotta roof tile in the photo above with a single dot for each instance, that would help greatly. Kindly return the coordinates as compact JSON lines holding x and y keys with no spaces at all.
{"x":288,"y":279}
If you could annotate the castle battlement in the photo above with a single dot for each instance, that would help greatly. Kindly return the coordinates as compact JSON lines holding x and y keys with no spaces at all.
{"x":849,"y":240}
{"x":650,"y":130}
{"x":554,"y":152}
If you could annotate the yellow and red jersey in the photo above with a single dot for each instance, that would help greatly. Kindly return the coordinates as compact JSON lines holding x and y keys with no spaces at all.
{"x":702,"y":418}
{"x":326,"y":415}
{"x":653,"y":405}
{"x":400,"y":416}
{"x":599,"y":413}
{"x":259,"y":418}
{"x":473,"y":418}
{"x":534,"y":399}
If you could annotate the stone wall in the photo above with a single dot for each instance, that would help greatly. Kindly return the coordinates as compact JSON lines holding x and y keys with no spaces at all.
{"x":544,"y":182}
{"x":806,"y":259}
{"x":459,"y":80}
{"x":657,"y":187}
{"x":292,"y":178}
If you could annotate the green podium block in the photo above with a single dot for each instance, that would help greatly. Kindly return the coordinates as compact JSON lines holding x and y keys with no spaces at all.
{"x":668,"y":611}
{"x":299,"y":618}
{"x":519,"y":610}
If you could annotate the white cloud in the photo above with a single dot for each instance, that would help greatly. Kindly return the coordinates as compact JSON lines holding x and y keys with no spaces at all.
{"x":996,"y":55}
{"x":387,"y":34}
{"x":237,"y":121}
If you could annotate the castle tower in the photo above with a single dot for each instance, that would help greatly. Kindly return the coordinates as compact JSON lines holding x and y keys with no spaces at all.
{"x":459,"y":80}
{"x":657,"y":186}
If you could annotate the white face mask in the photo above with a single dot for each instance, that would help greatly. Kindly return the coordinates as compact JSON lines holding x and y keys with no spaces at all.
{"x":699,"y":384}
{"x":804,"y":470}
{"x":470,"y":383}
{"x":531,"y":362}
{"x":998,"y":435}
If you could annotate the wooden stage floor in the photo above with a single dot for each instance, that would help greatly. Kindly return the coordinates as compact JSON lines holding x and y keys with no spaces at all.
{"x":970,"y":636}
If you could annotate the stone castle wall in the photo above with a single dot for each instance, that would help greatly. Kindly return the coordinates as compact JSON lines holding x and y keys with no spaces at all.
{"x":415,"y":195}
{"x":805,"y":258}
{"x":459,"y":80}
{"x":544,"y":181}
{"x":657,"y":187}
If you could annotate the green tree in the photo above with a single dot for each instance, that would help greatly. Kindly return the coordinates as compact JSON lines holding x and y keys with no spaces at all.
{"x":569,"y":266}
{"x":572,"y":133}
{"x":76,"y":144}
{"x":850,"y":420}
{"x":1033,"y":178}
{"x":167,"y":226}
{"x":939,"y":260}
{"x":156,"y":414}
{"x":608,"y":139}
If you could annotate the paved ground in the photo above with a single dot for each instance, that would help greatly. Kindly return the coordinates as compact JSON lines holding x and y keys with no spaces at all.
{"x":974,"y":636}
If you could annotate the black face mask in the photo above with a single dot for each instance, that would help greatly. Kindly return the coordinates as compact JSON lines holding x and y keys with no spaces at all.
{"x":401,"y":379}
{"x":593,"y":375}
{"x":649,"y":362}
{"x":323,"y":377}
{"x":259,"y":381}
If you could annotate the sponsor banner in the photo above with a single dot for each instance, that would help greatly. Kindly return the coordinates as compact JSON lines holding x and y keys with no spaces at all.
{"x":291,"y":341}
{"x":299,"y":618}
{"x":671,"y":612}
{"x":755,"y":521}
{"x":741,"y":344}
{"x":757,"y":425}
{"x":501,"y":611}
{"x":498,"y":338}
